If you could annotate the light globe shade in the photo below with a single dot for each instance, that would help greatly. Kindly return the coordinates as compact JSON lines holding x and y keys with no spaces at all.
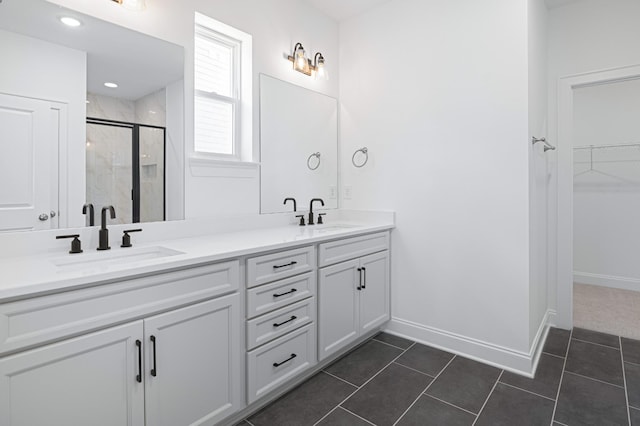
{"x":134,"y":4}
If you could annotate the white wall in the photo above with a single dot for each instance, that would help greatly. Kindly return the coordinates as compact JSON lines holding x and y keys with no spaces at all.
{"x":585,"y":36}
{"x":538,"y":181}
{"x":38,"y":69}
{"x":275,"y":25}
{"x":438,"y":92}
{"x":607,"y":198}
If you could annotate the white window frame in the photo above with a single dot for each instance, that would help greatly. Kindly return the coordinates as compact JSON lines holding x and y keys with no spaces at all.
{"x":241,"y":96}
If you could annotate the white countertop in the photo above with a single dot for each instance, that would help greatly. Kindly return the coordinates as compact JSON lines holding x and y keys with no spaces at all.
{"x":43,"y":273}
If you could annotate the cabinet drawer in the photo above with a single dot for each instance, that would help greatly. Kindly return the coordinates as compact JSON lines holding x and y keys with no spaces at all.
{"x":272,"y":296}
{"x":275,"y":266}
{"x":278,"y":323}
{"x":350,"y":248}
{"x":277,"y":362}
{"x":34,"y":321}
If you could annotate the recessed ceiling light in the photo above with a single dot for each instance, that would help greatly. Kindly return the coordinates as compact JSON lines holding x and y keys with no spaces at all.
{"x":111,"y":85}
{"x":70,"y":22}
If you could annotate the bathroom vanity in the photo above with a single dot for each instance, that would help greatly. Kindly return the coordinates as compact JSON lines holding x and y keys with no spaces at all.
{"x":186,"y":330}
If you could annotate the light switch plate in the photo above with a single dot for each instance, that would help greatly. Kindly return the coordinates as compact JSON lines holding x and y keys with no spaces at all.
{"x":348,"y":192}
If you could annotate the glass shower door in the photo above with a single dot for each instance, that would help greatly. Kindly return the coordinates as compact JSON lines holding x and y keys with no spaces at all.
{"x":109,"y":169}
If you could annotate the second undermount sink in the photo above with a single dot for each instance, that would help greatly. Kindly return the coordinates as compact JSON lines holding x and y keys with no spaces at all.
{"x":116,"y":257}
{"x":321,"y":229}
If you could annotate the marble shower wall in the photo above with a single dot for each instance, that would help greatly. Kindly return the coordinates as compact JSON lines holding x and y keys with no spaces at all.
{"x":109,"y":164}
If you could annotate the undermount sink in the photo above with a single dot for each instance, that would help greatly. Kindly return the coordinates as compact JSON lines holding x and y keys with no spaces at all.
{"x":330,"y":228}
{"x":117,"y":257}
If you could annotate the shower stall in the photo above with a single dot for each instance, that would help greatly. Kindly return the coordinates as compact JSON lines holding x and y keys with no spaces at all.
{"x":126,"y":169}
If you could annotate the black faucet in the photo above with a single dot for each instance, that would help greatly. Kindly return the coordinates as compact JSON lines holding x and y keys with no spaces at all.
{"x":89,"y":206}
{"x":295,"y":208}
{"x":104,"y":232}
{"x":310,"y":221}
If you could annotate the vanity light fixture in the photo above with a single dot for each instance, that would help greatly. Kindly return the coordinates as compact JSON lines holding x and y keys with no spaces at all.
{"x":132,"y":4}
{"x":110,"y":85}
{"x":304,"y":65}
{"x":70,"y":21}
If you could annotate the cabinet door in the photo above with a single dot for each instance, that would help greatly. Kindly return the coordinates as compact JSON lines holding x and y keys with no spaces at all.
{"x":193,"y":363}
{"x":338,"y":306}
{"x":374,"y":297}
{"x":88,"y":380}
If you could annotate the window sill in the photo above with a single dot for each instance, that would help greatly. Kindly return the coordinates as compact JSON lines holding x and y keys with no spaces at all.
{"x":215,"y":167}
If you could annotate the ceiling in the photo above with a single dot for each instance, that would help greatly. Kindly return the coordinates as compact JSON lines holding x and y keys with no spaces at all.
{"x":140,"y":64}
{"x":344,"y":9}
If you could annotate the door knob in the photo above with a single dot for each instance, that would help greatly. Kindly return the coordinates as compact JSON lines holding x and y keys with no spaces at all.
{"x":52,"y":214}
{"x":43,"y":217}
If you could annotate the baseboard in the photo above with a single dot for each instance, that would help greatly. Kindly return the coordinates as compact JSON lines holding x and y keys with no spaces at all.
{"x":523,"y":363}
{"x":611,"y":281}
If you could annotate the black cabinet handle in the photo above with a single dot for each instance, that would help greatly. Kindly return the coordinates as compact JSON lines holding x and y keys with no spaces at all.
{"x":154,"y":370}
{"x":293,"y":317}
{"x":293,"y":262}
{"x":364,"y":277}
{"x":293,"y":290}
{"x":278,"y":364}
{"x":359,"y":279}
{"x":139,"y":375}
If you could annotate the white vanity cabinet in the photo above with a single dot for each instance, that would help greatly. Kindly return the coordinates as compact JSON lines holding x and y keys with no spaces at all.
{"x":87,"y":380}
{"x":181,"y":366}
{"x":353,"y":290}
{"x":281,"y":323}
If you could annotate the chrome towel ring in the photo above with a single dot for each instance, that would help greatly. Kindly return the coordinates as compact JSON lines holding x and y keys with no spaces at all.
{"x":309,"y":161}
{"x":365,"y":152}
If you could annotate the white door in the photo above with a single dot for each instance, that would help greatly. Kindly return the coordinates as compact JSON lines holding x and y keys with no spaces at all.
{"x":374,"y":297}
{"x":28,"y":163}
{"x":338,"y":306}
{"x":193,"y":363}
{"x":88,"y":380}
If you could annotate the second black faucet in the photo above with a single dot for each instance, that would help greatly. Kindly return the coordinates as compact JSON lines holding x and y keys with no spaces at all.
{"x":311,"y":221}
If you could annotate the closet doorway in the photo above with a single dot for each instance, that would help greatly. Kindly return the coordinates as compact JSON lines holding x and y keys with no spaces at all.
{"x":600,"y":129}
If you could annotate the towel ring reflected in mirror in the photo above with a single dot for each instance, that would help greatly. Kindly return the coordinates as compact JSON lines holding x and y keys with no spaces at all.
{"x":310,"y":161}
{"x":364,"y":152}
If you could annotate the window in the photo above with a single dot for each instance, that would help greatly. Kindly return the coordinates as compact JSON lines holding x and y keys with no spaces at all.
{"x":222,"y":89}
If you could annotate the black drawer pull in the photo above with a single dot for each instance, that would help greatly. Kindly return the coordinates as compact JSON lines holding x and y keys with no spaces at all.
{"x":293,"y":290}
{"x":293,"y":317}
{"x":278,"y":364}
{"x":364,"y":279}
{"x":154,"y":370}
{"x":359,"y":279}
{"x":293,"y":262}
{"x":139,"y":375}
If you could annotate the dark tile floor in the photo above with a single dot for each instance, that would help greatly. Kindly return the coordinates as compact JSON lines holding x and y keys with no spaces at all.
{"x":583,"y":378}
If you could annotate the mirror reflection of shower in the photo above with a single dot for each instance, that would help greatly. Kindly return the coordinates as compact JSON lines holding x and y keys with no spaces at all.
{"x":125,"y":156}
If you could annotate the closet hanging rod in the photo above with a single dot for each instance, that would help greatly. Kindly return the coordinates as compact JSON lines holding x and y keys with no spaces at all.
{"x":621,"y":145}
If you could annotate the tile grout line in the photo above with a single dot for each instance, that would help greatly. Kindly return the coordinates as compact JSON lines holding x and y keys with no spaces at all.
{"x":528,"y":391}
{"x":448,"y":403}
{"x":561,"y":424}
{"x":341,"y":379}
{"x":597,"y":344}
{"x":247,"y":420}
{"x":386,"y":343}
{"x":488,"y":397}
{"x":425,"y":389}
{"x":566,"y":355}
{"x":624,"y":380}
{"x":413,"y":369}
{"x":554,"y":355}
{"x":354,"y":414}
{"x":364,"y":384}
{"x":595,"y":380}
